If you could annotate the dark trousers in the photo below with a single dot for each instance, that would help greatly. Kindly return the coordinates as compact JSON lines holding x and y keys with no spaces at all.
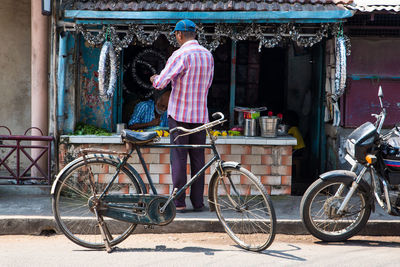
{"x":179,"y":162}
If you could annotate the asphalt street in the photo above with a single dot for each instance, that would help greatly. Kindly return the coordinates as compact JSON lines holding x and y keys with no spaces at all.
{"x":200,"y":249}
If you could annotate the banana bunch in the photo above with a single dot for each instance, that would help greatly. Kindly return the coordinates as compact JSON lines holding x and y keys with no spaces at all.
{"x":162,"y":133}
{"x":233,"y":133}
{"x":219,"y":133}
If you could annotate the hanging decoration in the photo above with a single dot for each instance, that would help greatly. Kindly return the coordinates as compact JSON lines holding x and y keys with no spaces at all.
{"x":267,"y":35}
{"x":107,"y":72}
{"x":92,"y":39}
{"x":142,"y":59}
{"x":118,"y":43}
{"x":340,"y":75}
{"x":307,"y":41}
{"x":337,"y":75}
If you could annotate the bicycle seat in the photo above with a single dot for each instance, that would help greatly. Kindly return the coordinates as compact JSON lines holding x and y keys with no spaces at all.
{"x":138,"y":137}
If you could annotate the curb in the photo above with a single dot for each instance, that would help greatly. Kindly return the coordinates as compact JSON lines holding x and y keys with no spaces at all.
{"x":37,"y":225}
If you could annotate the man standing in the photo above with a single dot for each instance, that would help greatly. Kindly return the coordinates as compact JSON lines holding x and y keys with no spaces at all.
{"x":190,"y":69}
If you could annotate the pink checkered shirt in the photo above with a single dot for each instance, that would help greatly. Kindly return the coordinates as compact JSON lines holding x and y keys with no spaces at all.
{"x":190,"y":69}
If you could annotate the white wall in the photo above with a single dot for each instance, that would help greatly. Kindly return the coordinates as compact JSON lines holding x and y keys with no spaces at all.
{"x":15,"y":74}
{"x":15,"y":58}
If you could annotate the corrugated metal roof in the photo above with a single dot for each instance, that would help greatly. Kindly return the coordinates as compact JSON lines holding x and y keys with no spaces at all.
{"x":206,"y":5}
{"x":370,"y":6}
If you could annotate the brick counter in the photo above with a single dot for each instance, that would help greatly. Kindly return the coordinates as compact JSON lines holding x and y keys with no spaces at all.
{"x":268,"y":158}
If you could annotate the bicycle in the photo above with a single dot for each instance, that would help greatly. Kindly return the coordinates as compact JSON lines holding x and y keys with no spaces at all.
{"x":99,"y":199}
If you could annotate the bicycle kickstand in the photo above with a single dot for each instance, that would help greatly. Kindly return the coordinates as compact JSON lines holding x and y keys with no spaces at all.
{"x":105,"y":233}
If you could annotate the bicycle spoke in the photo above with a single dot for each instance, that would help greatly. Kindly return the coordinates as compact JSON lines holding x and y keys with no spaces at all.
{"x":243,"y":211}
{"x":71,"y":203}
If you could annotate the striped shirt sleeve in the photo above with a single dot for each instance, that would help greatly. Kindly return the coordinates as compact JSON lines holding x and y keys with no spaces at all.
{"x":175,"y":65}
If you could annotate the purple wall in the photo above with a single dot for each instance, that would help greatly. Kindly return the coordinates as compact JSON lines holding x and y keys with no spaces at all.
{"x":373,"y":62}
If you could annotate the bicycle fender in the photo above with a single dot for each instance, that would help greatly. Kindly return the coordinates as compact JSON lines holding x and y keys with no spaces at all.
{"x":350,"y":176}
{"x":213,"y":178}
{"x":62,"y":171}
{"x":109,"y":157}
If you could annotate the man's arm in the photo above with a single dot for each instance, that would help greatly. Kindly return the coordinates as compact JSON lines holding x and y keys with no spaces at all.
{"x":175,"y":65}
{"x":152,"y":123}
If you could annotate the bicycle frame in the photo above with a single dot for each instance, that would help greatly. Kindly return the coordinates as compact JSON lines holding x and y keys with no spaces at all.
{"x":176,"y":193}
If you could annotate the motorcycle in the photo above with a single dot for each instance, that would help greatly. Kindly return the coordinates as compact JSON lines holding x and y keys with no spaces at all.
{"x":338,"y":205}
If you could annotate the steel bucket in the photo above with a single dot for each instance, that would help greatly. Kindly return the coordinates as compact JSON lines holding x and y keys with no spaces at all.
{"x":268,"y":126}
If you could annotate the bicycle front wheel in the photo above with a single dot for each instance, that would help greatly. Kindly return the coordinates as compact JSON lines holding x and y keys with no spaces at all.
{"x":71,"y":201}
{"x":244,"y":209}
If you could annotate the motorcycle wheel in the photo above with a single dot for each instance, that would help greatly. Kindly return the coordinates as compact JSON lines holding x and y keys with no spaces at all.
{"x":319,"y":205}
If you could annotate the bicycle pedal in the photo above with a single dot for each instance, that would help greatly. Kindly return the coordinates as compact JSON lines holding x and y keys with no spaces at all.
{"x":150,"y":227}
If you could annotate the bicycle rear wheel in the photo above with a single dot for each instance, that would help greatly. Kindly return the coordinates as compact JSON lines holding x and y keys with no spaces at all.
{"x":71,"y":201}
{"x":244,"y":209}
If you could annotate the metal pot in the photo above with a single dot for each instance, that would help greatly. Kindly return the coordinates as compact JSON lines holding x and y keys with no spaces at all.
{"x":268,"y":126}
{"x":250,"y":127}
{"x":283,"y":129}
{"x":120,"y":127}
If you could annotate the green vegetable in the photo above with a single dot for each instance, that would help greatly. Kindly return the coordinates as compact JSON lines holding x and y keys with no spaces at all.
{"x":233,"y":133}
{"x":86,"y":129}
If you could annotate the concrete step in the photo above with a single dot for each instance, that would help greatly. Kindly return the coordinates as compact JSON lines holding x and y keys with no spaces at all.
{"x":13,"y":190}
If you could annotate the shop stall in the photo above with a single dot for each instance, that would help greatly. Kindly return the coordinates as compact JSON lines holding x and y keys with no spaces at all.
{"x":268,"y":82}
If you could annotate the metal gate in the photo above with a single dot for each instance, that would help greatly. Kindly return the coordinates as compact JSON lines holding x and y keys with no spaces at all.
{"x":16,"y":146}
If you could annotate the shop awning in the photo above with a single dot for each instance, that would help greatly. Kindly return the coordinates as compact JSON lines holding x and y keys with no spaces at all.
{"x":299,"y":11}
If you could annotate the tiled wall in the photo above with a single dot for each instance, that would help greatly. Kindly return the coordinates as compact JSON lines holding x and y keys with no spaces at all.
{"x":272,"y":164}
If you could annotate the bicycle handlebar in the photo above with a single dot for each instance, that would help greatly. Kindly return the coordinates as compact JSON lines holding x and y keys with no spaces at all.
{"x":202,"y":127}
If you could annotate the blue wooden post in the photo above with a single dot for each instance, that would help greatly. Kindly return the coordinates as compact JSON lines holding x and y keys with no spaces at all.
{"x":62,"y":62}
{"x":119,"y":88}
{"x":233,"y":84}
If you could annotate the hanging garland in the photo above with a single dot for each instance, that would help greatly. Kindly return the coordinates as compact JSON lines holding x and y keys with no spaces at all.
{"x":340,"y":75}
{"x":309,"y":40}
{"x":107,"y":91}
{"x":92,"y":39}
{"x":118,"y":43}
{"x":140,"y":60}
{"x":269,"y":42}
{"x":268,"y":37}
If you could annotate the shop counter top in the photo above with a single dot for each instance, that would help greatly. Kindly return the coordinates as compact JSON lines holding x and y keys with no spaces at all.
{"x":284,"y":140}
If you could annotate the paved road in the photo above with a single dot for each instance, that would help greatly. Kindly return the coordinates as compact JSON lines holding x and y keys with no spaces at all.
{"x":200,"y":249}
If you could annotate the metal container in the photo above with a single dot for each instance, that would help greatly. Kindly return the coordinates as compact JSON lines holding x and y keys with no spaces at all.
{"x":250,"y":127}
{"x":282,"y":129}
{"x":120,"y":127}
{"x":268,"y":126}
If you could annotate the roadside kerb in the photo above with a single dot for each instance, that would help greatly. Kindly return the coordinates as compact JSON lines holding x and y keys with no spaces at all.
{"x":36,"y":225}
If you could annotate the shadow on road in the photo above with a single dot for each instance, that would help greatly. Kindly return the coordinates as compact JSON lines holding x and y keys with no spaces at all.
{"x":208,"y":251}
{"x":162,"y":248}
{"x":284,"y":253}
{"x":362,"y":243}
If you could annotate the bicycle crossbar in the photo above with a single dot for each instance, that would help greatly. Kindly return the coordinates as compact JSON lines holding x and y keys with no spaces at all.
{"x":177,"y":146}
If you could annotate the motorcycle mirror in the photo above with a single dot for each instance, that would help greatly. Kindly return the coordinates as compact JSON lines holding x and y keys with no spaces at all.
{"x":380,"y":95}
{"x":380,"y":92}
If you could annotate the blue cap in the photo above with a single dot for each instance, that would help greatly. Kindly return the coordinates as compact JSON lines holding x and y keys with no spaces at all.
{"x":185,"y":25}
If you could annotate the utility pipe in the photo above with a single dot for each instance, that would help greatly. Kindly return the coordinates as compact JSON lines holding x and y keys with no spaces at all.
{"x":39,"y":77}
{"x":62,"y":63}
